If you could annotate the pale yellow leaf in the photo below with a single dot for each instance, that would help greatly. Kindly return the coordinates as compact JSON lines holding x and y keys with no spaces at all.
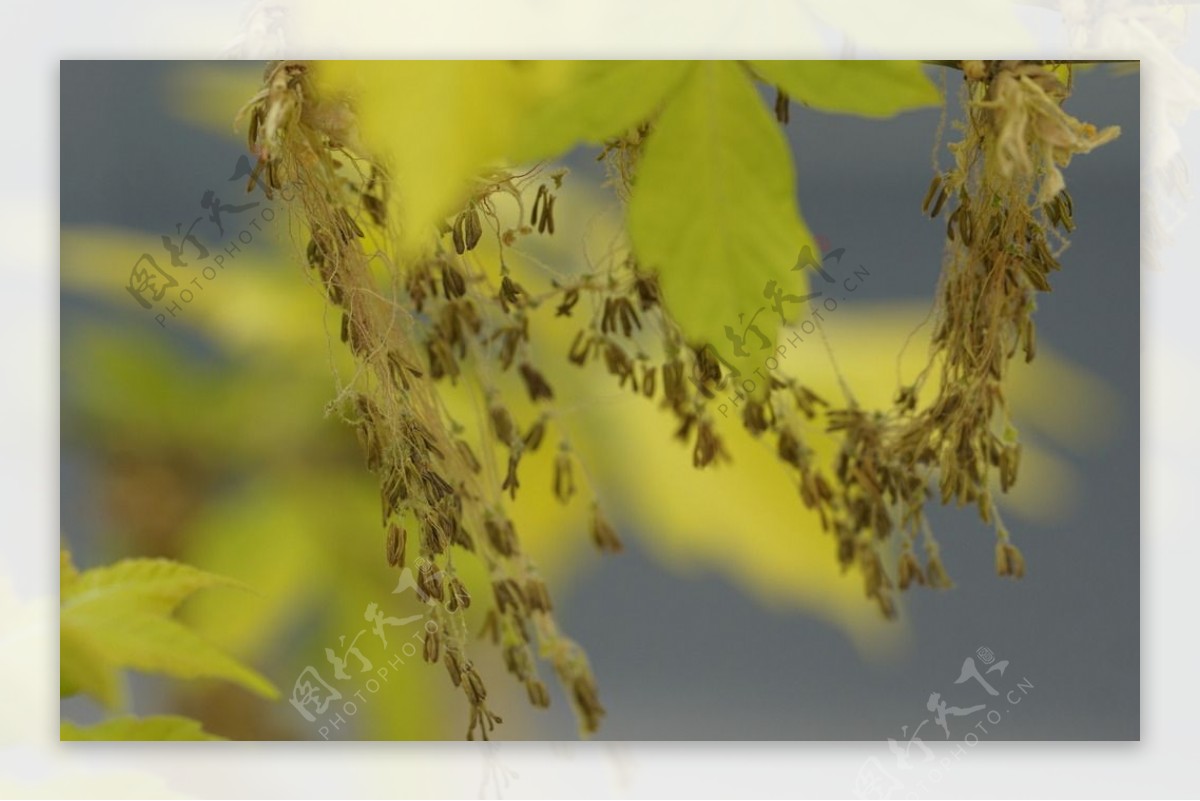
{"x":159,"y":727}
{"x":120,"y":617}
{"x":714,"y":208}
{"x":868,"y":88}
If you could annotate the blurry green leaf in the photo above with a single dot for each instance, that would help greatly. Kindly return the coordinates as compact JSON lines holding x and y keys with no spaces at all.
{"x":84,"y":669}
{"x":229,"y":310}
{"x":600,"y":100}
{"x":869,"y":88}
{"x":309,"y":540}
{"x":275,"y":536}
{"x":160,"y":727}
{"x":439,"y":124}
{"x":120,"y":616}
{"x":154,"y":586}
{"x":714,"y":206}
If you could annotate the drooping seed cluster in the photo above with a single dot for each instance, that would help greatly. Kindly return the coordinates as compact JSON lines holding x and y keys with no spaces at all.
{"x":1007,"y":203}
{"x":1003,"y":240}
{"x":437,"y":495}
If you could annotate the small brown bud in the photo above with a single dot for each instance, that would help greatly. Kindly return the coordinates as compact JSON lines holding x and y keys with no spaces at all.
{"x":501,"y":536}
{"x":468,"y":455}
{"x":509,"y":596}
{"x":535,"y":383}
{"x":473,"y":684}
{"x":537,"y":596}
{"x":533,"y":440}
{"x":396,"y":544}
{"x":603,"y":535}
{"x":511,"y":483}
{"x":539,"y":696}
{"x":583,"y":690}
{"x":936,"y":573}
{"x":453,"y":667}
{"x":433,"y":646}
{"x":459,"y":595}
{"x":909,"y":570}
{"x":570,"y":298}
{"x":564,"y":477}
{"x":1009,"y":561}
{"x":453,"y":283}
{"x":511,"y":293}
{"x":429,"y":581}
{"x":502,"y":424}
{"x":708,"y":445}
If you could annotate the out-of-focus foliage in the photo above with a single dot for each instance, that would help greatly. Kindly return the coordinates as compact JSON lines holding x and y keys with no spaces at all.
{"x":122,"y":616}
{"x":714,"y":198}
{"x":158,"y":727}
{"x":714,"y":207}
{"x":867,"y":88}
{"x":602,"y":100}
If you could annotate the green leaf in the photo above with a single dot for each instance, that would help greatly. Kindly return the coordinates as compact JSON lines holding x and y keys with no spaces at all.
{"x":154,"y":585}
{"x":121,"y":617}
{"x":160,"y":727}
{"x":869,"y":88}
{"x":598,"y":100}
{"x":83,"y":668}
{"x":714,"y":208}
{"x":441,"y":124}
{"x":438,"y":123}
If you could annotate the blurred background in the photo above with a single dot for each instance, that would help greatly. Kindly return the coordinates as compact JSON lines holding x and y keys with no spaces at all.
{"x":205,"y":439}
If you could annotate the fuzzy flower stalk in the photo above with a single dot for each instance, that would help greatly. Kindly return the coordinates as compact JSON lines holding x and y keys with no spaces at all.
{"x":439,"y":499}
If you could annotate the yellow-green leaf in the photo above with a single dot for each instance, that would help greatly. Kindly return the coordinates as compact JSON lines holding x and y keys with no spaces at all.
{"x":159,"y":727}
{"x":153,"y":585}
{"x":714,"y":208}
{"x":121,"y":617}
{"x":439,"y":124}
{"x":599,"y":100}
{"x":869,"y":88}
{"x":84,"y":669}
{"x":442,"y":124}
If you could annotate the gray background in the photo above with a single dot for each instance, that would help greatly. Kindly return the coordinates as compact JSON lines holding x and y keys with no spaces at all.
{"x":1071,"y":626}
